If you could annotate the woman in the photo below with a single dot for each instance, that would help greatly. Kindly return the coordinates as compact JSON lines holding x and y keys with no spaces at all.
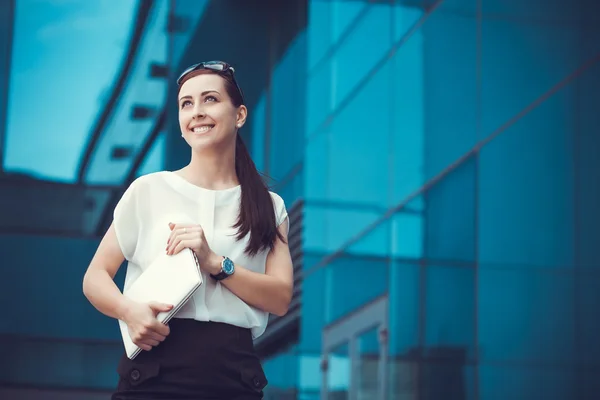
{"x":219,"y":207}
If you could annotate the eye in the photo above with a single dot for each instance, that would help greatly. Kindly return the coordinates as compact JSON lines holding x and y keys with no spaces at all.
{"x":211,"y":98}
{"x":185,"y":102}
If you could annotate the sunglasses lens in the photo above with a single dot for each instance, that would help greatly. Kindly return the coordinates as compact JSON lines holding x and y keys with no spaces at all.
{"x":215,"y":66}
{"x":218,"y":66}
{"x":187,"y":71}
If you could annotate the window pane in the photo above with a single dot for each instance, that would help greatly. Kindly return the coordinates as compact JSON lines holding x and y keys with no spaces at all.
{"x":371,"y":38}
{"x":91,"y":35}
{"x":451,"y":97}
{"x":526,"y":180}
{"x":450,"y":216}
{"x":526,"y":315}
{"x":450,"y":310}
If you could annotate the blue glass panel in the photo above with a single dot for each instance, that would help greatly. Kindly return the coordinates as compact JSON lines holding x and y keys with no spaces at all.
{"x":313,"y":307}
{"x":587,"y":164}
{"x":345,"y":13}
{"x":360,"y":137}
{"x":54,"y":104}
{"x":155,"y":158}
{"x":257,"y":119}
{"x":319,"y":30}
{"x":526,"y":180}
{"x":522,"y":60}
{"x":404,"y":19}
{"x":317,"y":167}
{"x":450,"y":215}
{"x":371,"y":39}
{"x":587,"y":323}
{"x":451,"y":97}
{"x":404,"y":303}
{"x":318,"y":99}
{"x":526,"y":315}
{"x":407,"y":142}
{"x":288,"y":109}
{"x":408,"y":234}
{"x":450,"y":308}
{"x":524,"y":382}
{"x":345,"y":284}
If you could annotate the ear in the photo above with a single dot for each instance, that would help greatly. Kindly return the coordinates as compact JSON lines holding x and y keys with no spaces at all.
{"x":242,"y":113}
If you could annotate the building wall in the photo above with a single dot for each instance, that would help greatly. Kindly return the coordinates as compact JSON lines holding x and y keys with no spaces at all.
{"x":475,"y":119}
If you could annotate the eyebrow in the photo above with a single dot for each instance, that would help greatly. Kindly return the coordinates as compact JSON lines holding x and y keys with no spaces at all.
{"x":201,"y":94}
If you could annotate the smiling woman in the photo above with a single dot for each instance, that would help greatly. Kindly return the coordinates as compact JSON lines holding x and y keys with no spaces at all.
{"x":219,"y":207}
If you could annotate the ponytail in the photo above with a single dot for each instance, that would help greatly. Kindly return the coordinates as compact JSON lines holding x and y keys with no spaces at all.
{"x":257,"y":215}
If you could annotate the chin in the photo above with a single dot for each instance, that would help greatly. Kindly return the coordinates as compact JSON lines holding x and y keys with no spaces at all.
{"x":199,"y":144}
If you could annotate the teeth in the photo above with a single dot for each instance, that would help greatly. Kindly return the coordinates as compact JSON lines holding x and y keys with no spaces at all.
{"x":202,"y":129}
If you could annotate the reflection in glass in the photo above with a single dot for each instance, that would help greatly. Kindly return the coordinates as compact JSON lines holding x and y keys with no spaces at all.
{"x":367,"y":368}
{"x":338,"y":373}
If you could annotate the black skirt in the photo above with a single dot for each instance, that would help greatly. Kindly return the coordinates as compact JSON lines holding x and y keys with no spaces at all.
{"x":198,"y":360}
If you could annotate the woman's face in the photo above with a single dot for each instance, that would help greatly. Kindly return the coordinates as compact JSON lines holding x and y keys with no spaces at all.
{"x":207,"y":117}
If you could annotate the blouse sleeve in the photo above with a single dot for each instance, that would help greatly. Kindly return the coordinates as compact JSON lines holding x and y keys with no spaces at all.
{"x":126,"y":221}
{"x":280,"y":210}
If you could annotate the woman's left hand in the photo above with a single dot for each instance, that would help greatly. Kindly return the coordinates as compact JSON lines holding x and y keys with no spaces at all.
{"x":192,"y":237}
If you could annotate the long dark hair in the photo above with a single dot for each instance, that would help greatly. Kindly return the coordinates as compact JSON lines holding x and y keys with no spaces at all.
{"x":257,"y":213}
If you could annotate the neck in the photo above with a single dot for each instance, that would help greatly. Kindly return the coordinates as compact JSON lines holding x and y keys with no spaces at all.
{"x":212,"y":169}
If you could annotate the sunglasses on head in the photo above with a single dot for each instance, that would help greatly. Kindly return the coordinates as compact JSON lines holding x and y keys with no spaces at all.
{"x":219,"y":67}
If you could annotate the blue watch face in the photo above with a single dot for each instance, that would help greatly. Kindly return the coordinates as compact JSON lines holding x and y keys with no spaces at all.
{"x":228,"y":266}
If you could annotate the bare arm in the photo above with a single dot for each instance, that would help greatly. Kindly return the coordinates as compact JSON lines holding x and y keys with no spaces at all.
{"x":100,"y":289}
{"x":98,"y":284}
{"x":271,"y":291}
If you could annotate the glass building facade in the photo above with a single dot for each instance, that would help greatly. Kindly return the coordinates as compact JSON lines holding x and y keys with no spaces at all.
{"x":439,"y":159}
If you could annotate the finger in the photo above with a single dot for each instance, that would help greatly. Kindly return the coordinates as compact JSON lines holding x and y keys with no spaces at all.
{"x":182,"y":229}
{"x":189,"y":238}
{"x":174,"y":242}
{"x":174,"y":230}
{"x":144,"y":346}
{"x":174,"y":226}
{"x":157,"y":336}
{"x":152,"y":342}
{"x":159,"y":307}
{"x":161,"y":329}
{"x":183,"y":245}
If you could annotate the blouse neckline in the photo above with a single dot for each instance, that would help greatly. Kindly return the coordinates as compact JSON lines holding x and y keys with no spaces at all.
{"x":196,"y":192}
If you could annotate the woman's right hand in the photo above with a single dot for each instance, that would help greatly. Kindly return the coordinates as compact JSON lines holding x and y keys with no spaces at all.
{"x":144,"y":329}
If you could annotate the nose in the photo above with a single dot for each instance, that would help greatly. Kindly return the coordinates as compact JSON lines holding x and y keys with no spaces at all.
{"x":198,"y":112}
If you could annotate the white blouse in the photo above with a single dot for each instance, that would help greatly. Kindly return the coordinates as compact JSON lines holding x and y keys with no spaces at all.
{"x":141,"y":221}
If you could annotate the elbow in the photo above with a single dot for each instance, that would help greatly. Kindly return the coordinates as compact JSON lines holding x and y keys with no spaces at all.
{"x":85,"y":285}
{"x":281,"y":310}
{"x":283,"y":305}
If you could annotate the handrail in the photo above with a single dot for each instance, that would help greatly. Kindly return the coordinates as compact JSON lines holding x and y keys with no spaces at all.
{"x":457,"y":163}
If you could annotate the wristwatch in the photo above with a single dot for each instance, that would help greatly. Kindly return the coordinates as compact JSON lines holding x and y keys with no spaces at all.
{"x":227,"y":269}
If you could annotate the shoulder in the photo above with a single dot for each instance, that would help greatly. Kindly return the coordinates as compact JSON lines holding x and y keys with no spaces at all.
{"x":144,"y":182}
{"x":277,"y":200}
{"x":278,"y":207}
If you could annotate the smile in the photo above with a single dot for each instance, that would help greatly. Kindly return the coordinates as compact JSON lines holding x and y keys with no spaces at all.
{"x":202,"y":129}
